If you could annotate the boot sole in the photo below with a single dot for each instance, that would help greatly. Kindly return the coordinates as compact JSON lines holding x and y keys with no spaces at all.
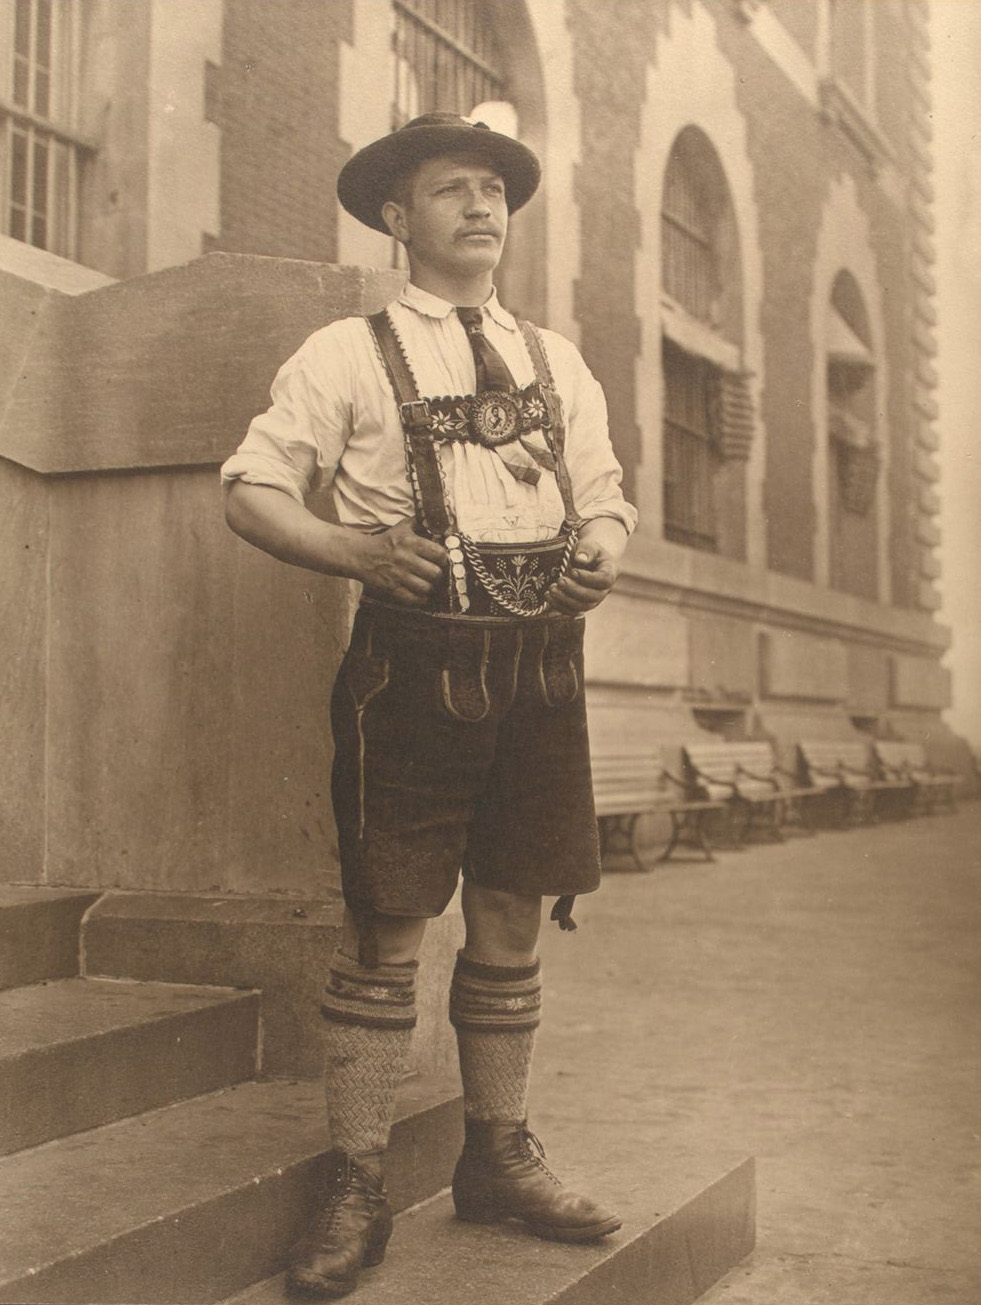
{"x":548,"y":1232}
{"x":310,"y":1286}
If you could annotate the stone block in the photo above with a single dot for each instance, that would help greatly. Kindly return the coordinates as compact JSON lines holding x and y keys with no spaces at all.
{"x":168,"y":369}
{"x":918,"y":682}
{"x":868,"y":679}
{"x":188,"y":682}
{"x":629,"y":641}
{"x":723,"y":658}
{"x":24,"y":529}
{"x":39,"y":933}
{"x":803,"y":666}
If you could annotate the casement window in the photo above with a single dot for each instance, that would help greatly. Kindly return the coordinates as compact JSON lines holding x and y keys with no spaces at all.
{"x":707,"y":417}
{"x":41,"y":155}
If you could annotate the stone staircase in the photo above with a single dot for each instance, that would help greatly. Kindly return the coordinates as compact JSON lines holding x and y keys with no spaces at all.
{"x":145,"y":1159}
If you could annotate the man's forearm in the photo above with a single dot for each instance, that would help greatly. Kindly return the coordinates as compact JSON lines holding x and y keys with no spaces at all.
{"x":609,"y":533}
{"x":271,"y":520}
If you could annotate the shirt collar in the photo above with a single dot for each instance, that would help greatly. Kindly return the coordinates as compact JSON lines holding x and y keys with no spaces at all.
{"x":430,"y":305}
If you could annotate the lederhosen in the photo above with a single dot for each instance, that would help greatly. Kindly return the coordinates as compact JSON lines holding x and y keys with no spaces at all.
{"x":460,"y":730}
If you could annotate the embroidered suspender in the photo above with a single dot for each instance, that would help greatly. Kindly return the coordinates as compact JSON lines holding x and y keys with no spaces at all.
{"x":424,"y":470}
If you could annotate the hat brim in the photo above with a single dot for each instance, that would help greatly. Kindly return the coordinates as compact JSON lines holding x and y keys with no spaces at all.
{"x":364,"y":183}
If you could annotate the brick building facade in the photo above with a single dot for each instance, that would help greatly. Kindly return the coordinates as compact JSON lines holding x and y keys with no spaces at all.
{"x":735,"y":226}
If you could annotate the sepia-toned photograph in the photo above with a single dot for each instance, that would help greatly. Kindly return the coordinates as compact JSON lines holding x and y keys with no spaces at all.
{"x":490,"y":652}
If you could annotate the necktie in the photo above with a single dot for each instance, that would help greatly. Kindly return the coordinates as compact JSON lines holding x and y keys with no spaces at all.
{"x":522,"y":458}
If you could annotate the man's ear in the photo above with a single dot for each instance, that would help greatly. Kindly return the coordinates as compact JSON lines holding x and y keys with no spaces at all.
{"x":393,"y":215}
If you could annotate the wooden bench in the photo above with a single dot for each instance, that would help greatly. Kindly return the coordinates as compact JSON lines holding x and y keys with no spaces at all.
{"x":744,"y":774}
{"x":904,"y":761}
{"x":628,"y":786}
{"x":848,"y":769}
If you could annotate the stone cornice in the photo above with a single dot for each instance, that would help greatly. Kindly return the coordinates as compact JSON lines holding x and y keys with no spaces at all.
{"x":703,"y":582}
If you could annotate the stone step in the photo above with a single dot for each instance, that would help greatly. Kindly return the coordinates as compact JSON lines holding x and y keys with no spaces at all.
{"x":39,"y":930}
{"x":78,"y":1053}
{"x":687,"y":1232}
{"x":277,"y":945}
{"x":191,"y":1203}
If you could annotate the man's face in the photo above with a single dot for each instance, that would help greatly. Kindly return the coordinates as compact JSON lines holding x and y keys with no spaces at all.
{"x":455,"y":217}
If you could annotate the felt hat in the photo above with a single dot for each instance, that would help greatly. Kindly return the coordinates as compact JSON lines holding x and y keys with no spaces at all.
{"x":365,"y":181}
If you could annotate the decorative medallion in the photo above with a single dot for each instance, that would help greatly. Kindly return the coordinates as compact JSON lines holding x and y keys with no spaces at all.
{"x":496,"y":417}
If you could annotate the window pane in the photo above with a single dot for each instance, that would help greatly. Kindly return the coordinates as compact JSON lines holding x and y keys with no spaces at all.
{"x":22,"y":28}
{"x":18,"y":226}
{"x":43,"y":44}
{"x":59,"y":236}
{"x":40,"y":187}
{"x":21,"y":81}
{"x":39,"y":233}
{"x":42,"y":93}
{"x":18,"y":170}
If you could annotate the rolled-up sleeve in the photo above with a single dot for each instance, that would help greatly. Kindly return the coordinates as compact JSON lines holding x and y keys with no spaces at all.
{"x":297,"y":443}
{"x":594,"y":469}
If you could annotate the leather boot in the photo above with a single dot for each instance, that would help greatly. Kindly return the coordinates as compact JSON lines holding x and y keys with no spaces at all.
{"x":502,"y":1175}
{"x":350,"y":1233}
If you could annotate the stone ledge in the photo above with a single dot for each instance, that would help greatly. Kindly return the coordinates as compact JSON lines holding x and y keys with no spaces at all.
{"x":168,"y":369}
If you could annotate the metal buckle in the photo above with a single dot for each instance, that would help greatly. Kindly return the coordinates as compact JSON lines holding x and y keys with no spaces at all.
{"x":415,"y":420}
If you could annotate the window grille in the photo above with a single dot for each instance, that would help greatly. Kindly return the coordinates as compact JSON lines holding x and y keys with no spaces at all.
{"x":690,"y":448}
{"x":688,"y":258}
{"x":40,"y":156}
{"x":447,"y":58}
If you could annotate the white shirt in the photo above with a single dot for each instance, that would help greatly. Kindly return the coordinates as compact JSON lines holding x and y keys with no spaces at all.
{"x":334,"y":420}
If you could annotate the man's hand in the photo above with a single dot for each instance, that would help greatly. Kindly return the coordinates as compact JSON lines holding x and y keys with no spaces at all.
{"x":592,"y":575}
{"x":400,"y":565}
{"x":594,"y":570}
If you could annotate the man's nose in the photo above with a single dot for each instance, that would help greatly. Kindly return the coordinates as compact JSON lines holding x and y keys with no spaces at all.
{"x":477,"y":204}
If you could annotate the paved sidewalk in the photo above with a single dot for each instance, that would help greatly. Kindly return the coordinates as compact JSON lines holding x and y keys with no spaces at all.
{"x":815,"y":1003}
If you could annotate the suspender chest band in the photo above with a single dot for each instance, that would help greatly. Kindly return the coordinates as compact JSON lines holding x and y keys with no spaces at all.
{"x":491,"y":418}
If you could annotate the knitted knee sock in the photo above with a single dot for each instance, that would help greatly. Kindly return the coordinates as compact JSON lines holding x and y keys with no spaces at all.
{"x":495,"y":1010}
{"x":369,"y":1018}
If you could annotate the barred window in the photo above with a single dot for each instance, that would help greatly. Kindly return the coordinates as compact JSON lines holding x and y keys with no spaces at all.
{"x":447,"y":58}
{"x":690,"y":448}
{"x":701,"y":289}
{"x":688,"y":260}
{"x":40,"y":155}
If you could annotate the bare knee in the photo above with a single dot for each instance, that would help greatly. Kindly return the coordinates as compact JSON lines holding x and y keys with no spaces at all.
{"x":398,"y":937}
{"x":501,"y":927}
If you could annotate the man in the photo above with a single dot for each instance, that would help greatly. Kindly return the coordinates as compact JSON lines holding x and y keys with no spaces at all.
{"x":478,"y":502}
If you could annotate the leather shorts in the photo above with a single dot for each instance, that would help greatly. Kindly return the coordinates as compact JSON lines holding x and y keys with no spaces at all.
{"x":461,"y":743}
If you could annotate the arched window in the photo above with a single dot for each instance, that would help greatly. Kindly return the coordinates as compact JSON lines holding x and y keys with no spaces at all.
{"x":854,"y":447}
{"x":707,"y":412}
{"x":447,"y":58}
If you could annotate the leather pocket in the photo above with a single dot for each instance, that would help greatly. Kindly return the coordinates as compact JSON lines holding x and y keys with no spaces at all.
{"x":463,"y":680}
{"x":560,"y":668}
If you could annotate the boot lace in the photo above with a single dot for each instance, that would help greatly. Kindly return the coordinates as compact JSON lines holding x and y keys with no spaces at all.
{"x":535,"y":1152}
{"x":342,"y":1184}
